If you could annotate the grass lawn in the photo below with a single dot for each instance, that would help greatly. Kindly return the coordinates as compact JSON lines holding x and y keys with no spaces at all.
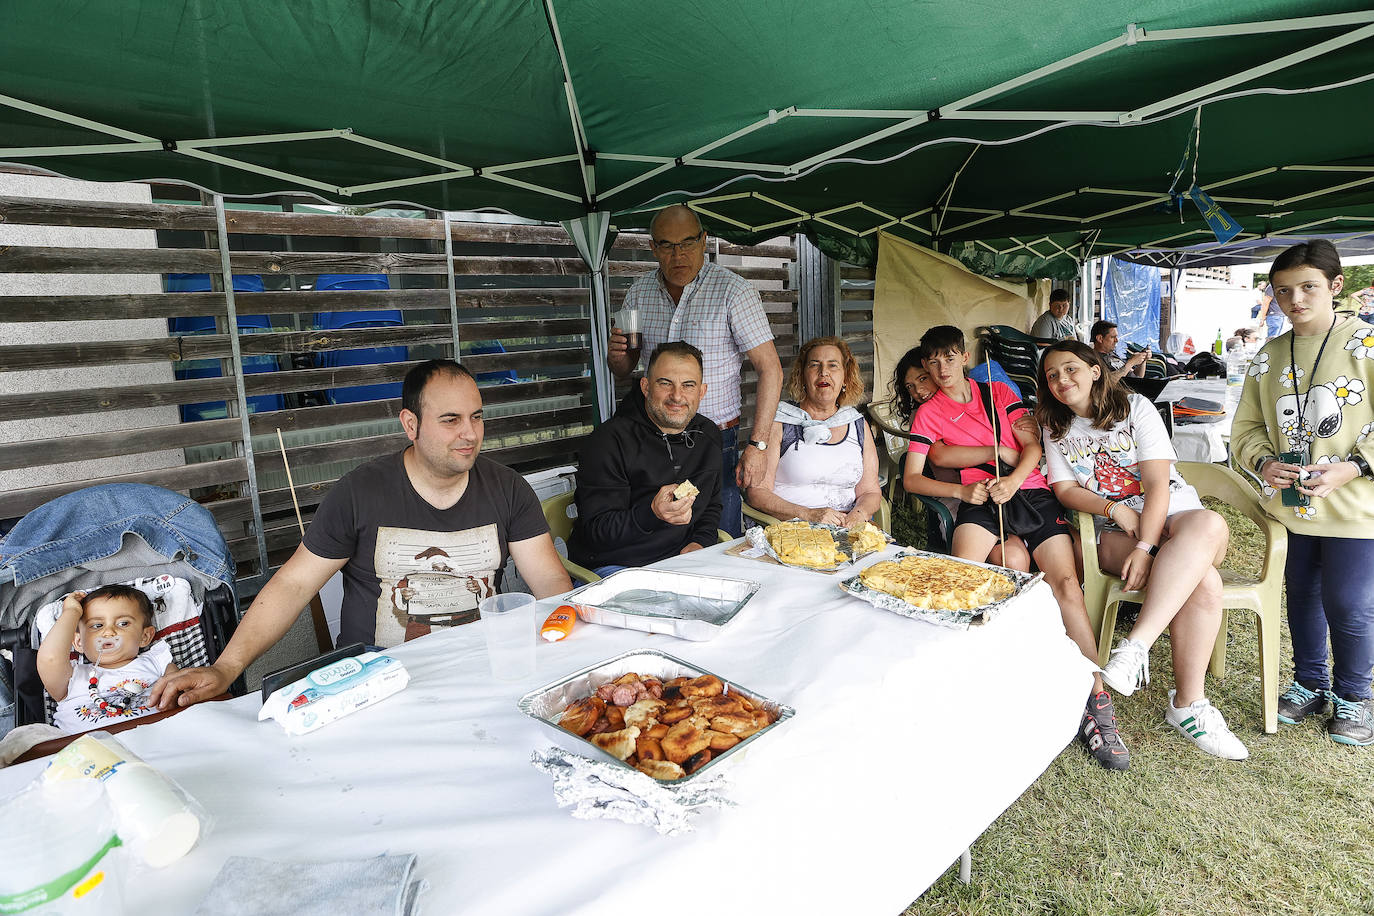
{"x":1291,"y":830}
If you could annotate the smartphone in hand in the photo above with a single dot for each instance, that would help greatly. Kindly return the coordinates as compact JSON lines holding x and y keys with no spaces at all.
{"x":1290,"y":496}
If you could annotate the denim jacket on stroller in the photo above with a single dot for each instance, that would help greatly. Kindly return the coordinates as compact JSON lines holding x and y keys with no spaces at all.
{"x":106,"y":534}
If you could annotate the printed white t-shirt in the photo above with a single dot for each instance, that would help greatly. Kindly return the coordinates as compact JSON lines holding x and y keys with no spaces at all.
{"x":120,"y":693}
{"x":1106,"y":461}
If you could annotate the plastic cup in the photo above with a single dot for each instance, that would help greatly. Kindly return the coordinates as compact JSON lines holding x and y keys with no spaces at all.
{"x":509,"y":624}
{"x":628,"y":322}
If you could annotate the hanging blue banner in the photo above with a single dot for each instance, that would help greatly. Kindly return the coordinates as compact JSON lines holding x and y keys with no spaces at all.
{"x":1224,"y":227}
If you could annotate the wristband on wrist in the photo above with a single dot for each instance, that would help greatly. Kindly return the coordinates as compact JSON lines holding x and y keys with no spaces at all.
{"x":1264,"y":459}
{"x":1151,"y":549}
{"x":1361,"y":465}
{"x":1111,"y":507}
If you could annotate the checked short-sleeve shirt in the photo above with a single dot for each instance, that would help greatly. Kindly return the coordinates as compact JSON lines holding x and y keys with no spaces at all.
{"x":720,"y":314}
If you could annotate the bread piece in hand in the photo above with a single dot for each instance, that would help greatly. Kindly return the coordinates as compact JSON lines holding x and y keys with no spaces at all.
{"x":684,"y":490}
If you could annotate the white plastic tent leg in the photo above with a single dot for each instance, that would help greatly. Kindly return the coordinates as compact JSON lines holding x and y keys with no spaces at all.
{"x":591,"y":234}
{"x":966,"y":866}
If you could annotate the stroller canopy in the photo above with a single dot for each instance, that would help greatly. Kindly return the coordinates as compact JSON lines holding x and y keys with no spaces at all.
{"x":108,"y":533}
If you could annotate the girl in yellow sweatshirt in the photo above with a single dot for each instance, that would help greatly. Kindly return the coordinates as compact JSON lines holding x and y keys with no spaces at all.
{"x":1304,"y":423}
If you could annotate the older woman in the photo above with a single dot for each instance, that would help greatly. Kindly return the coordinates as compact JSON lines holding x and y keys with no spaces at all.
{"x":822,"y":465}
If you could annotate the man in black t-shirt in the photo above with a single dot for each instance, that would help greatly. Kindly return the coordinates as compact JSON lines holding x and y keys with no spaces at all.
{"x":421,"y":537}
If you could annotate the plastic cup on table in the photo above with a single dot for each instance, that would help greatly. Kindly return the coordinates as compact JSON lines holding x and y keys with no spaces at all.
{"x":509,"y":624}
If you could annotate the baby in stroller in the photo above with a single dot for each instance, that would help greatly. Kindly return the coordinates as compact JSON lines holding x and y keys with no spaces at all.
{"x":111,"y":626}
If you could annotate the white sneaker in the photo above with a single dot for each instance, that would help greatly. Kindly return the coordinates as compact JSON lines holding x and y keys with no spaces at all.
{"x":1129,"y":667}
{"x":1202,"y":724}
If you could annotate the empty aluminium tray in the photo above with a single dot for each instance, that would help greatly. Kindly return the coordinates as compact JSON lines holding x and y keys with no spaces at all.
{"x":681,"y":604}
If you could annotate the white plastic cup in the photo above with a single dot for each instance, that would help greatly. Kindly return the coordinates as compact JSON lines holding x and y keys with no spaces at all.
{"x":160,"y":828}
{"x":509,"y":624}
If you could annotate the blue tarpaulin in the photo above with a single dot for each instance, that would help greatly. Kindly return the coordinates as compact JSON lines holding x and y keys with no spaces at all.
{"x":1130,"y":297}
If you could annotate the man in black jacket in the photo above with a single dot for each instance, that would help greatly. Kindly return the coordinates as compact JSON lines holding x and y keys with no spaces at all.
{"x":627,"y":514}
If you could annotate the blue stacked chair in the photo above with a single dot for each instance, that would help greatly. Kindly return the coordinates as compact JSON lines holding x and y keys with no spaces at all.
{"x":500,"y":377}
{"x":365,"y":356}
{"x":210,"y":368}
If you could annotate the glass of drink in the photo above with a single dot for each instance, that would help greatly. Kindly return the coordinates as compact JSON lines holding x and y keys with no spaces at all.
{"x":509,"y":624}
{"x":629,"y":324}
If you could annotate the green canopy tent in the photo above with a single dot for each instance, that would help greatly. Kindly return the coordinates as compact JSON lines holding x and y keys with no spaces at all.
{"x":1021,"y":138}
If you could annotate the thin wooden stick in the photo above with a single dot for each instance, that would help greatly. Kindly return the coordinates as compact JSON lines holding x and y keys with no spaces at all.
{"x":322,"y":637}
{"x":996,"y":448}
{"x":291,"y":485}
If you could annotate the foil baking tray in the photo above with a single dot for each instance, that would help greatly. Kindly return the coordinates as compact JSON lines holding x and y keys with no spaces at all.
{"x":679,"y":604}
{"x":546,"y":704}
{"x":956,"y":620}
{"x":758,"y":538}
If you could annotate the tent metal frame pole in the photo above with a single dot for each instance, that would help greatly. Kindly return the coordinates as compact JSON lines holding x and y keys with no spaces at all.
{"x":245,"y":430}
{"x":580,"y":142}
{"x":1244,"y":76}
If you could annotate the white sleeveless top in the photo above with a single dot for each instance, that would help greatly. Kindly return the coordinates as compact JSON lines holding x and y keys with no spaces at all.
{"x":820,"y":474}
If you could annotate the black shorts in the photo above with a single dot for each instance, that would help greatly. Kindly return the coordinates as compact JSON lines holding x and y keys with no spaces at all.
{"x":1053,"y":518}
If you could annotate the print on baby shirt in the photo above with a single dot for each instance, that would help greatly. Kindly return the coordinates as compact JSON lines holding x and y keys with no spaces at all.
{"x":432,"y":578}
{"x":117,"y":698}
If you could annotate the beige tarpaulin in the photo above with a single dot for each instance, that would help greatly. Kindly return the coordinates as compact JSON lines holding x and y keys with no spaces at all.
{"x":916,"y":289}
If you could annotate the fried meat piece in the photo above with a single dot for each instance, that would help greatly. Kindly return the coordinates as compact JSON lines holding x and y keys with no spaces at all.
{"x":644,"y":713}
{"x":581,"y":715}
{"x":616,"y":716}
{"x":739,"y":726}
{"x":648,"y":749}
{"x":721,"y":741}
{"x":697,"y":761}
{"x":705,"y":686}
{"x":619,"y":744}
{"x":676,"y":711}
{"x":683,"y":740}
{"x":660,"y":769}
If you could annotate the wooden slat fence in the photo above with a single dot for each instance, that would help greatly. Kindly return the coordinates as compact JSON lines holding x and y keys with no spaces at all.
{"x":523,"y":320}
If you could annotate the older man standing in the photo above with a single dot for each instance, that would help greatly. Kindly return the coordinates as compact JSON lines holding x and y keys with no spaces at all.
{"x":719,"y":313}
{"x":629,"y":512}
{"x":421,"y":536}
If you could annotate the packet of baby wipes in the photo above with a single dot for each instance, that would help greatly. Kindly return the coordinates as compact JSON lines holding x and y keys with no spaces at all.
{"x":334,"y":691}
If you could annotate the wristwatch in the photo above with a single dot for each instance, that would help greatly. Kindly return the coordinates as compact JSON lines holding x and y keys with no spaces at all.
{"x":760,"y":444}
{"x":1359,"y":462}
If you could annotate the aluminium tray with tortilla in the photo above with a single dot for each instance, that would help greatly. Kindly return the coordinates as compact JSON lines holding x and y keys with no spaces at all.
{"x":957,"y":620}
{"x":759,"y":539}
{"x":686,"y":605}
{"x":546,"y":704}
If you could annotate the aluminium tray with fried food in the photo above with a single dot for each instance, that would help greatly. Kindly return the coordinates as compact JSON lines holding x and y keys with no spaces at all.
{"x":686,"y":605}
{"x":839,"y":535}
{"x":547,"y":704}
{"x":957,"y":620}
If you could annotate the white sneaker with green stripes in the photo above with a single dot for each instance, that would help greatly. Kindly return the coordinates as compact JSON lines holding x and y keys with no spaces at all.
{"x":1202,"y":724}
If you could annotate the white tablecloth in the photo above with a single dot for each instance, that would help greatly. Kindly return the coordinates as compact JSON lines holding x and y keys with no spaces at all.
{"x":1199,"y":441}
{"x":908,"y":741}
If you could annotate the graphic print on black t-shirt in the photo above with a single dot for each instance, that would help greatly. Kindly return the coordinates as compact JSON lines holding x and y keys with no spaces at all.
{"x":432,"y":578}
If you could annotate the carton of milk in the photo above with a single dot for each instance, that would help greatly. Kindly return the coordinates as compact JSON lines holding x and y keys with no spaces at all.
{"x":333,"y":691}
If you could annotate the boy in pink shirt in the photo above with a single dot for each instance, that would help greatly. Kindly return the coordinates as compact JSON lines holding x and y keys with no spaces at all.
{"x":955,"y":422}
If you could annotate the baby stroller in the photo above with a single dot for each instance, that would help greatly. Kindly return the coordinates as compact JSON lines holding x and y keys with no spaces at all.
{"x":158,"y":540}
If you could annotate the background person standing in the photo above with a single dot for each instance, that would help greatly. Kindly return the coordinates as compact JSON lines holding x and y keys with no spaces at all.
{"x":720,"y":314}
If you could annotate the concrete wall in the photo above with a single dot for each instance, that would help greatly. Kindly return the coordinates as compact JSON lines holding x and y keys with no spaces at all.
{"x":70,"y":331}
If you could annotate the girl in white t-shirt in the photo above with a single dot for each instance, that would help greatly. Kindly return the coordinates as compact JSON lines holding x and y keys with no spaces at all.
{"x":1109,"y":454}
